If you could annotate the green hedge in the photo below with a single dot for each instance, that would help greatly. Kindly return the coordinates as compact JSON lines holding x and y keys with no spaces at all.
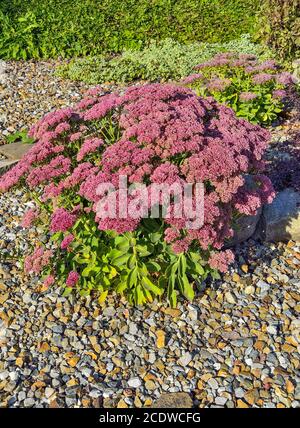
{"x":45,"y":29}
{"x":279,"y":27}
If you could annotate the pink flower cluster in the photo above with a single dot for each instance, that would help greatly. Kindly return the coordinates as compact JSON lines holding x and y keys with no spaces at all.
{"x":35,"y":262}
{"x":166,"y":134}
{"x":62,"y":220}
{"x":191,"y":78}
{"x":221,"y":260}
{"x":218,"y":85}
{"x":29,"y":217}
{"x":220,"y":64}
{"x":247,"y":96}
{"x":67,"y":241}
{"x":260,"y":78}
{"x":89,"y":146}
{"x":49,"y":280}
{"x":72,"y":279}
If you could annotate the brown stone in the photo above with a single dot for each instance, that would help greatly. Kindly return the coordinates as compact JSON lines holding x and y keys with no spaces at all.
{"x":160,"y":341}
{"x":14,"y":151}
{"x":174,"y":400}
{"x":289,"y":386}
{"x":242,"y":404}
{"x":3,"y":298}
{"x":173,"y":312}
{"x":252,"y":396}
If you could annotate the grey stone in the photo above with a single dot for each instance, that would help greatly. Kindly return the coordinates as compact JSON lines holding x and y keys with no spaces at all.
{"x":27,"y":298}
{"x":213,"y":383}
{"x":21,"y":395}
{"x":4,"y":375}
{"x":271,"y":329}
{"x":281,"y":219}
{"x":5,"y":165}
{"x":109,"y":312}
{"x":14,"y":151}
{"x":220,"y":401}
{"x":3,"y":75}
{"x":185,"y":359}
{"x":29,"y":402}
{"x":134,"y":382}
{"x":133,"y":328}
{"x":14,"y":376}
{"x":244,"y":229}
{"x":264,"y":286}
{"x":239,"y":392}
{"x":57,"y":329}
{"x":86,"y":371}
{"x":174,"y":400}
{"x":49,"y":392}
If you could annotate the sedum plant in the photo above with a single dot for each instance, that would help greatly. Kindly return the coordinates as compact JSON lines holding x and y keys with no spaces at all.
{"x":253,"y":89}
{"x":153,"y":134}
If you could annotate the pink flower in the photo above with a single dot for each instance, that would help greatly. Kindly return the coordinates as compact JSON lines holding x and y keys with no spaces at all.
{"x":89,"y":146}
{"x":279,"y":93}
{"x":218,"y":85}
{"x":162,"y":133}
{"x":221,"y":260}
{"x":56,"y":167}
{"x":285,"y":78}
{"x":35,"y":262}
{"x":29,"y":217}
{"x":62,"y":127}
{"x":67,"y":241}
{"x":247,"y":96}
{"x":181,"y":245}
{"x":171,"y":234}
{"x":192,"y":78}
{"x":76,"y":136}
{"x":262,"y":78}
{"x":62,"y":220}
{"x":72,"y":279}
{"x":49,"y":280}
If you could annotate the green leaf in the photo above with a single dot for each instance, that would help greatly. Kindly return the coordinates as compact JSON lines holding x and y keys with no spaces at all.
{"x":102,"y":297}
{"x":153,"y":266}
{"x":132,"y":277}
{"x":173,"y":299}
{"x":67,"y":291}
{"x":120,"y":261}
{"x":151,"y":287}
{"x":131,"y":261}
{"x":188,"y":291}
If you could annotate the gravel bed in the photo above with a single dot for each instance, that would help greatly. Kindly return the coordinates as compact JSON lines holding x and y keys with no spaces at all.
{"x":236,"y":345}
{"x":30,"y":90}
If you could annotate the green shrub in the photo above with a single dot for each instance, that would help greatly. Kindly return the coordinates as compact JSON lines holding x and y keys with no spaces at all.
{"x":279,"y":27}
{"x":163,"y":60}
{"x":52,"y":28}
{"x":252,"y":89}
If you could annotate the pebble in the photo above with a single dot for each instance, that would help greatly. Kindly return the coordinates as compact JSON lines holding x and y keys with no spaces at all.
{"x":213,"y":383}
{"x":185,"y":359}
{"x":30,"y":90}
{"x":29,"y":402}
{"x":220,"y":401}
{"x":135,"y":382}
